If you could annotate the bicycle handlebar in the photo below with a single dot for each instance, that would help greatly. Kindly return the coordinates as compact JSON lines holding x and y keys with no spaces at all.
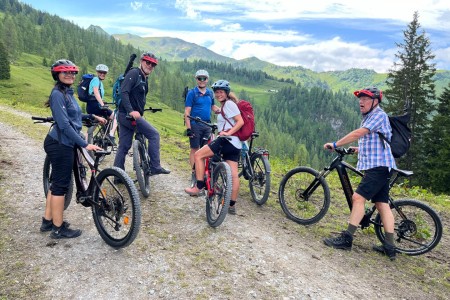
{"x":87,"y":122}
{"x":197,"y":119}
{"x":343,"y":151}
{"x":153,"y":110}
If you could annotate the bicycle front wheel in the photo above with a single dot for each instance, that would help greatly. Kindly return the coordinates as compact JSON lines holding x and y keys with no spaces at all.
{"x":117,"y":208}
{"x":217,"y":204}
{"x":141,"y":166}
{"x":418,"y":228}
{"x":260,"y":182}
{"x":47,"y":180}
{"x":304,"y":196}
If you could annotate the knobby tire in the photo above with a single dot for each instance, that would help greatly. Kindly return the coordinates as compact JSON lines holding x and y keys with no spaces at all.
{"x":301,"y":208}
{"x":117,"y":212}
{"x":259,"y":184}
{"x":419,"y":233}
{"x":217,"y":205}
{"x":141,"y":166}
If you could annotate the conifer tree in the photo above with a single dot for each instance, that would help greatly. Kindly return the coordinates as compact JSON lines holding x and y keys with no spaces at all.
{"x":411,"y":79}
{"x":5,"y":70}
{"x":438,"y":146}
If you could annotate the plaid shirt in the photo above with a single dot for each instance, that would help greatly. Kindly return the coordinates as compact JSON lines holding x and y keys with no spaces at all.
{"x":371,"y":151}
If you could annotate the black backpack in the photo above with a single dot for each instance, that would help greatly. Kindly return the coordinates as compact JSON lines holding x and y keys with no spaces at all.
{"x":117,"y":93}
{"x":83,"y":88}
{"x":401,"y":135}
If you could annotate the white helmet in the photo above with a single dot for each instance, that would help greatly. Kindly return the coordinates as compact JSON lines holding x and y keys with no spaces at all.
{"x":102,"y":68}
{"x":201,"y":73}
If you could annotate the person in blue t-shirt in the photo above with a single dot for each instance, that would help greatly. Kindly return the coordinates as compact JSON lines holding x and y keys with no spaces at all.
{"x":199,"y":103}
{"x":376,"y":161}
{"x":97,"y":91}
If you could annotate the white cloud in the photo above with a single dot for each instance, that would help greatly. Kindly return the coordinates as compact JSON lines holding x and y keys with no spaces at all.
{"x":135,"y":5}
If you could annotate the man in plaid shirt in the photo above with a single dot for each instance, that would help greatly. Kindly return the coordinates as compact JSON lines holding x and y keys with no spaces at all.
{"x":376,"y":160}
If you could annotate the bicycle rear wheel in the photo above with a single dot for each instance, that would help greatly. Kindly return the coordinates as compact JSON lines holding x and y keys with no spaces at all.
{"x":259,"y":184}
{"x":141,"y":166}
{"x":46,"y":178}
{"x":117,"y":209}
{"x":304,"y":196}
{"x":418,"y":231}
{"x":217,"y":204}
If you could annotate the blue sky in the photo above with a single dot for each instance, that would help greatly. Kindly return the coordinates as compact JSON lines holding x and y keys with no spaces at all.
{"x":321,"y":35}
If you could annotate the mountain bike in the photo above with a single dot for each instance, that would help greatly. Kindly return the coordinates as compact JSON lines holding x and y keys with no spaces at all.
{"x":304,"y":196}
{"x":98,"y":134}
{"x":141,"y":159}
{"x":218,"y":183}
{"x":255,"y":167}
{"x":115,"y":207}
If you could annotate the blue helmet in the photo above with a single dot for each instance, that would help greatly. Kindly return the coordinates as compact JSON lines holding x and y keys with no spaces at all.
{"x":221,"y":85}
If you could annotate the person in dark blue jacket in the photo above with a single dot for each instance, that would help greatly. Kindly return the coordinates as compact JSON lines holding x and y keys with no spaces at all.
{"x":134,"y":89}
{"x":60,"y":146}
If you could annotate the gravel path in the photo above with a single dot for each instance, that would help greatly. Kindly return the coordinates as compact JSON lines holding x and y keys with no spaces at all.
{"x":256,"y":254}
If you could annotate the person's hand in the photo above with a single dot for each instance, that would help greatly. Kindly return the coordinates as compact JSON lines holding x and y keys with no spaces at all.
{"x":92,"y":147}
{"x":328,"y":146}
{"x":100,"y":119}
{"x":189,"y":133}
{"x":135,"y":114}
{"x":355,"y":149}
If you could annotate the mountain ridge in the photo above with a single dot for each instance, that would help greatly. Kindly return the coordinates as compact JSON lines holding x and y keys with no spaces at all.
{"x":176,"y":49}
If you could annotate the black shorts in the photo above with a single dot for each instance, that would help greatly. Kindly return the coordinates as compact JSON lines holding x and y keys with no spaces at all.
{"x":228,"y":151}
{"x":200,"y":132}
{"x":93,"y":107}
{"x":375,"y":185}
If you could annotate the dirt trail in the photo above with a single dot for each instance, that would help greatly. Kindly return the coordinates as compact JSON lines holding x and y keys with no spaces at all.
{"x":257,"y":254}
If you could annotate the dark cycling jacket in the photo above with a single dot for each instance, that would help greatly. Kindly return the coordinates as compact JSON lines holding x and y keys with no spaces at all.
{"x":134,"y":89}
{"x":67,"y":115}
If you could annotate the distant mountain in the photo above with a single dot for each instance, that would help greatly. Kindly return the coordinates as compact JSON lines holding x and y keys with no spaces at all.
{"x":174,"y":49}
{"x":97,"y":29}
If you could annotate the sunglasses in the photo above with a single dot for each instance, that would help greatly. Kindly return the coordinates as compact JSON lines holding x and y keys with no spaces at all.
{"x":102,"y":72}
{"x":69,"y":73}
{"x":202,"y":78}
{"x":149,"y":63}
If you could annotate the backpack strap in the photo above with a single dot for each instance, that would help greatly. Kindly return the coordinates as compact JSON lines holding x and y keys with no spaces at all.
{"x":223,"y":115}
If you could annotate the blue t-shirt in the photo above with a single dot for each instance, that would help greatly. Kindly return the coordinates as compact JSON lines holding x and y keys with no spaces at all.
{"x":96,"y":82}
{"x":200,"y":103}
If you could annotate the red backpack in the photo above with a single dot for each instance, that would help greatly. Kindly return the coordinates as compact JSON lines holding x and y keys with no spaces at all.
{"x":246,"y":109}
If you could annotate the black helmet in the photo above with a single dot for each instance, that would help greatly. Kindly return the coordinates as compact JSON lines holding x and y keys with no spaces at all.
{"x":221,"y":85}
{"x":371,"y":92}
{"x":62,"y":65}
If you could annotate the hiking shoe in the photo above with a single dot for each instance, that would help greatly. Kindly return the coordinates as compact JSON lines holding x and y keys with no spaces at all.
{"x":387,"y":250}
{"x":232,"y":210}
{"x":159,"y":171}
{"x":64,"y":232}
{"x":112,"y":140}
{"x":344,"y":241}
{"x":194,"y":191}
{"x":48,"y":225}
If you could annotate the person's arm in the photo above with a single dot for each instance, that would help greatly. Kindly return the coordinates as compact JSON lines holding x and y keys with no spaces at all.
{"x":187,"y":112}
{"x":349,"y":138}
{"x":97,"y":95}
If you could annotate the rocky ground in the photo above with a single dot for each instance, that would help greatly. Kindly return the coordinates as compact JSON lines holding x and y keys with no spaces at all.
{"x":256,"y":254}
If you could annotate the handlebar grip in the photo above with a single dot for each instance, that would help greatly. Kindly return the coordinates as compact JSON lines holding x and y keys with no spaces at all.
{"x":43,"y":119}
